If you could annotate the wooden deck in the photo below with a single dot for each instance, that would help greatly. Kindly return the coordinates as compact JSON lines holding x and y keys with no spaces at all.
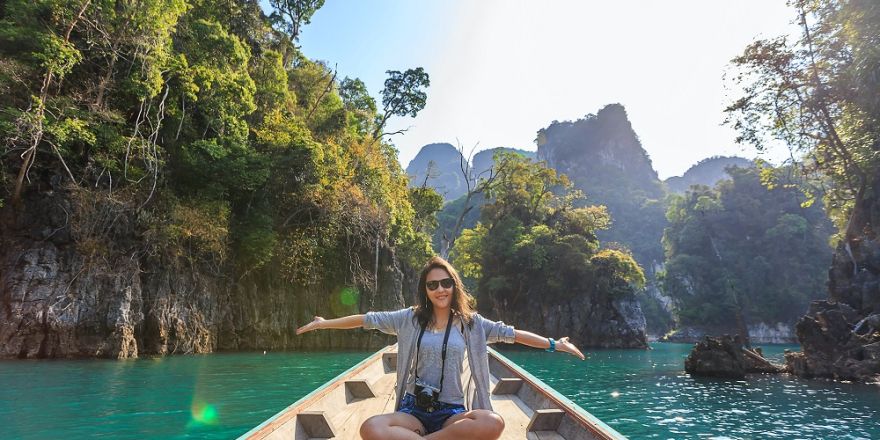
{"x":531,"y":410}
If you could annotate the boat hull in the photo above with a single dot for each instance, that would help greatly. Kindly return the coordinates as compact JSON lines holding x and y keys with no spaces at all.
{"x":531,"y":409}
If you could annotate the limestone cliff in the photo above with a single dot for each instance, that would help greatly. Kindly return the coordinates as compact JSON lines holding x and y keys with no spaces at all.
{"x":707,"y":172}
{"x":439,"y":166}
{"x":65,"y":295}
{"x":841,"y":336}
{"x":603,"y":157}
{"x":590,"y":321}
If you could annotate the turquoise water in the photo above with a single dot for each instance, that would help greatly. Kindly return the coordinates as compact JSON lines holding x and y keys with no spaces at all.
{"x":647,"y":394}
{"x":642,"y":394}
{"x":216,"y":396}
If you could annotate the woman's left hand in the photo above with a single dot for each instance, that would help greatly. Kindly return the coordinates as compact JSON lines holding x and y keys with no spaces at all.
{"x":563,"y":344}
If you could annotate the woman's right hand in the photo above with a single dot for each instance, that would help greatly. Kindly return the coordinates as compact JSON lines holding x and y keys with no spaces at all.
{"x":314,"y":325}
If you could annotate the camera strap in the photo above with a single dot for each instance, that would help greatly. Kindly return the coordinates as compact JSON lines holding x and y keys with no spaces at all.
{"x":442,"y":353}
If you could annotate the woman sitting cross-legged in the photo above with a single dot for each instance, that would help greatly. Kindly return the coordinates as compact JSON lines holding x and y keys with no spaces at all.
{"x":433,"y":338}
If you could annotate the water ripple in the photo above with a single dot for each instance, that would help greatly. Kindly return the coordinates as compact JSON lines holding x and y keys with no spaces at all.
{"x":656,"y":398}
{"x":642,"y":394}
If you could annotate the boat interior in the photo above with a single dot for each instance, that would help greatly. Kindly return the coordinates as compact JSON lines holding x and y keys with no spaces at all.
{"x":531,"y":410}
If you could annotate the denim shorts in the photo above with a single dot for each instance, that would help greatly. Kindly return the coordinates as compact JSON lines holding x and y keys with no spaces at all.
{"x":432,"y":421}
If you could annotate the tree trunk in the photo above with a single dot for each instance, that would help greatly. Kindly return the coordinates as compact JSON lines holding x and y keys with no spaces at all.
{"x":29,"y":155}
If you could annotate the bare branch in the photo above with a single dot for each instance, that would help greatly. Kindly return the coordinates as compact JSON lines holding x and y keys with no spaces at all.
{"x":401,"y":131}
{"x":61,"y":158}
{"x":324,"y":93}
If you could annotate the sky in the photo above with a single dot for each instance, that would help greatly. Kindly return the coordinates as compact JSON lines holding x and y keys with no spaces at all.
{"x":503,"y":69}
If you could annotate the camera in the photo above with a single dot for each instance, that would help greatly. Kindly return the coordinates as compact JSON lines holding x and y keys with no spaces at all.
{"x":426,"y":395}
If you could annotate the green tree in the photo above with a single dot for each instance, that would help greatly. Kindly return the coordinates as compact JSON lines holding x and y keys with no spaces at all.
{"x":290,"y":16}
{"x":533,"y":239}
{"x":403,"y":95}
{"x":206,"y":128}
{"x":64,"y":58}
{"x":358,"y":101}
{"x":742,"y":250}
{"x":817,"y":95}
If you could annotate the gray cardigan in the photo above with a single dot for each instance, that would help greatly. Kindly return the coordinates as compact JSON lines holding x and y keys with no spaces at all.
{"x":477,"y":336}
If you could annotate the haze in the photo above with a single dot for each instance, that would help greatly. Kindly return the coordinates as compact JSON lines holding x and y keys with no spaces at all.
{"x":502,"y":70}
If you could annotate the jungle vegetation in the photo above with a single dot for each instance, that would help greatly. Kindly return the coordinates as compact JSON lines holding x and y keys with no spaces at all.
{"x":202,"y":121}
{"x":533,"y":241}
{"x":743,"y":250}
{"x":818,"y":95}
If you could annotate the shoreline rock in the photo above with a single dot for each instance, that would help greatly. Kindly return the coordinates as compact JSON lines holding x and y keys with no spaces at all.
{"x":840,"y":337}
{"x":831,"y":347}
{"x":724,"y":357}
{"x":122,"y":301}
{"x":61,"y":299}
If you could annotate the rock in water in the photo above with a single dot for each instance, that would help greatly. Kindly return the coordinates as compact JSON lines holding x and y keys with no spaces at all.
{"x":756,"y":363}
{"x":725,"y":357}
{"x":840,"y":336}
{"x":831,"y":346}
{"x":717,"y":357}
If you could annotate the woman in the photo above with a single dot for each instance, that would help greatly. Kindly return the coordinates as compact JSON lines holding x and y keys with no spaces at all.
{"x":438,"y":332}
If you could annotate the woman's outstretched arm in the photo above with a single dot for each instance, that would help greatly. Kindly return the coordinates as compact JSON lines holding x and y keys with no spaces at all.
{"x":538,"y":341}
{"x":353,"y":321}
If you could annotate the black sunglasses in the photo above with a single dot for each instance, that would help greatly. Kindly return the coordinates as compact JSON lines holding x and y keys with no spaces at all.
{"x":445,"y":282}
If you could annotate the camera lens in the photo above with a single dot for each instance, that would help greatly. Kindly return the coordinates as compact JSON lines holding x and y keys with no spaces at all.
{"x":424,"y":398}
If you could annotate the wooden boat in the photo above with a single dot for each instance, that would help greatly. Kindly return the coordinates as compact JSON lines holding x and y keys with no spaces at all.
{"x":531,"y":409}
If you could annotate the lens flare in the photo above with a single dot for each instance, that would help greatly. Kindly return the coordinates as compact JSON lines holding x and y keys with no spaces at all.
{"x":349,"y":296}
{"x":204,"y":413}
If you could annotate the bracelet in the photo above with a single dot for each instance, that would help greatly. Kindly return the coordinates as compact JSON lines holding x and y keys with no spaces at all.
{"x":552,"y":346}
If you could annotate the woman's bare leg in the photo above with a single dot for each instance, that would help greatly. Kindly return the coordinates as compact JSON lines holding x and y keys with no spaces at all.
{"x":394,"y":426}
{"x":479,"y":424}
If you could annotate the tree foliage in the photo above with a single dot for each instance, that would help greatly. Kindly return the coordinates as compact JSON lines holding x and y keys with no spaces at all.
{"x":818,"y":96}
{"x":533,"y":240}
{"x":289,"y":16}
{"x":403,"y":95}
{"x":742,"y":245}
{"x":226,"y":143}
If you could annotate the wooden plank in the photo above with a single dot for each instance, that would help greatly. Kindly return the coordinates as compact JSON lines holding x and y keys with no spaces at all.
{"x":349,"y":418}
{"x":389,"y":361}
{"x":359,"y":389}
{"x":500,"y":366}
{"x":507,"y":385}
{"x":316,"y":424}
{"x":570,"y":429}
{"x":515,"y":419}
{"x":290,"y":413}
{"x":344,"y":411}
{"x":547,"y":435}
{"x":546,"y":420}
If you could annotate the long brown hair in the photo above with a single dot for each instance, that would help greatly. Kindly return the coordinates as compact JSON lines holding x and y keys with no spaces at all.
{"x":463,"y":304}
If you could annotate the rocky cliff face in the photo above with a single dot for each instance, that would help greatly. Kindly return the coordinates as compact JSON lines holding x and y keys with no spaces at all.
{"x":601,"y":154}
{"x":439,"y":166}
{"x":66,"y":296}
{"x":833,"y":347}
{"x":841,"y":337}
{"x":707,"y":172}
{"x":589,"y":321}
